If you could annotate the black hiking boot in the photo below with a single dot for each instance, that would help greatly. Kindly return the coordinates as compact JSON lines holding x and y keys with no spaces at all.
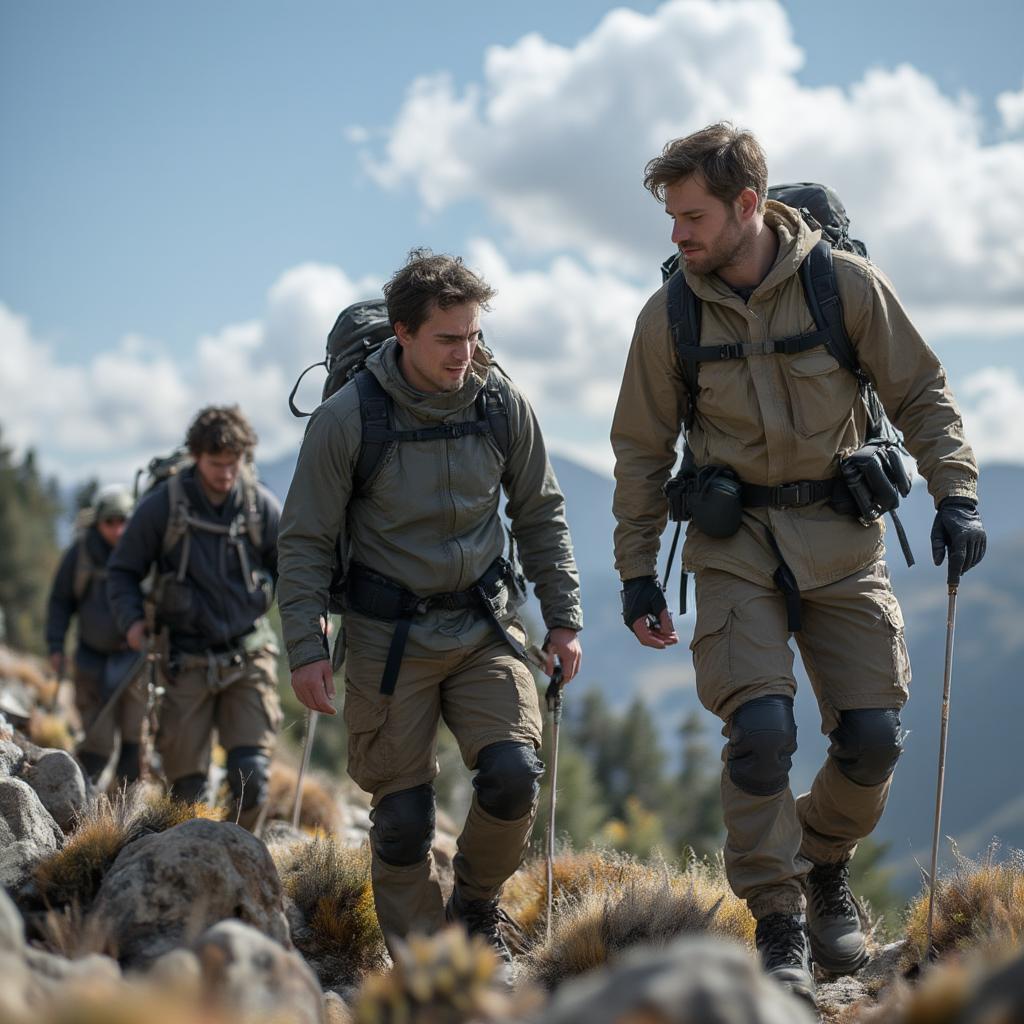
{"x":782,"y":945}
{"x":486,"y":919}
{"x":837,"y":940}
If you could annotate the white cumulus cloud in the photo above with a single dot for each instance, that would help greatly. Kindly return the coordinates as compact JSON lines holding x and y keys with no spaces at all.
{"x":553,"y":140}
{"x":991,"y":400}
{"x":1011,"y":109}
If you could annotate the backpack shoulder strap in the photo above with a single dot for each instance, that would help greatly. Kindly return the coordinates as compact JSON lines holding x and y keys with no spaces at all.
{"x":492,"y":405}
{"x":177,"y":513}
{"x":818,"y":277}
{"x":375,"y":417}
{"x":684,"y":322}
{"x":85,"y":569}
{"x":252,"y":512}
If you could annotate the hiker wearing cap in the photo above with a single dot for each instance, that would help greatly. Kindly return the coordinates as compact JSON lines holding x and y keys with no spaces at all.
{"x":783,"y":355}
{"x":206,"y":537}
{"x":401,"y":472}
{"x":102,"y":655}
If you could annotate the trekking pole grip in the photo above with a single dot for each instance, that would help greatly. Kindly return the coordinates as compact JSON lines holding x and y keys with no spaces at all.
{"x":553,"y":694}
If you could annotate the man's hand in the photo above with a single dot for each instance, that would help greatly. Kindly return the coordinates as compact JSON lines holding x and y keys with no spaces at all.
{"x":57,"y":663}
{"x":314,"y":686}
{"x":957,"y":528}
{"x":563,"y":644}
{"x":136,"y":636}
{"x":645,"y":612}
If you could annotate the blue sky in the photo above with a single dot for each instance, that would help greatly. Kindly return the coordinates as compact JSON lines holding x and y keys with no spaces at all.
{"x":167,"y":167}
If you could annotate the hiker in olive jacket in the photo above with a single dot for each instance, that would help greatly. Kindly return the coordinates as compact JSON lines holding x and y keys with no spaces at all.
{"x":780,"y":423}
{"x":102,"y":657}
{"x":419,"y":537}
{"x":210,"y":530}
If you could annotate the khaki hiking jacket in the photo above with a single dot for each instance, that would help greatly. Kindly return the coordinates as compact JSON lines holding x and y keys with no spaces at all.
{"x":428,"y":519}
{"x":777,"y":418}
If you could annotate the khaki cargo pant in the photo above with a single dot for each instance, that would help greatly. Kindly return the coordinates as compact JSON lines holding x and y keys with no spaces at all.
{"x":237,"y":696}
{"x":124,"y":720}
{"x":455,"y":668}
{"x":854,"y":651}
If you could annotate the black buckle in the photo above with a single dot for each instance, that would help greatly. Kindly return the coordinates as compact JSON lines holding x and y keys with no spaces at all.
{"x":734,"y":351}
{"x":790,"y":495}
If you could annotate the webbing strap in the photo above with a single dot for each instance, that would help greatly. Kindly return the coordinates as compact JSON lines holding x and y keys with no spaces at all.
{"x":785,"y":581}
{"x":395,"y":652}
{"x":741,"y":350}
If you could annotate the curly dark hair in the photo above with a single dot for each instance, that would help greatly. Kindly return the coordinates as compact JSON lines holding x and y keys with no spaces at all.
{"x":220,"y":428}
{"x":429,"y":278}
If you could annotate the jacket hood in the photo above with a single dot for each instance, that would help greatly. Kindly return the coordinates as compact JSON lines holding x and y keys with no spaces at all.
{"x":796,"y":239}
{"x":383,"y":364}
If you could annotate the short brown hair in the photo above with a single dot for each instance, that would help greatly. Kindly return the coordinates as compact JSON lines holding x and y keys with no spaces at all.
{"x":220,"y":428}
{"x":426,"y":279}
{"x":726,"y":157}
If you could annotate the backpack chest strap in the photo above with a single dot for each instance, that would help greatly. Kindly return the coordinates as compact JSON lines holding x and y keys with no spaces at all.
{"x":742,"y":350}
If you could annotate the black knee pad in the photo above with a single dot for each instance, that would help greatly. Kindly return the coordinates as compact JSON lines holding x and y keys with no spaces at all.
{"x":403,"y":826}
{"x":762,"y":740}
{"x":128,"y":762}
{"x":507,"y":781}
{"x":867,"y":744}
{"x":189,"y":789}
{"x":248,"y":770}
{"x":92,"y":764}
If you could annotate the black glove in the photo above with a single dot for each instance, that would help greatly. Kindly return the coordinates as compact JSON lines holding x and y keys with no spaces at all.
{"x":958,"y":528}
{"x":641,"y":596}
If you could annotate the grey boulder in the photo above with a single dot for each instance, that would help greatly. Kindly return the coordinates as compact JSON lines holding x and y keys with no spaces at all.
{"x":28,"y":832}
{"x":60,"y":785}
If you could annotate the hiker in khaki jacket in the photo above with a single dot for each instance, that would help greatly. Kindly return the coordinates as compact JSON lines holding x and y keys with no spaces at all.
{"x":780,"y":419}
{"x":422,"y":542}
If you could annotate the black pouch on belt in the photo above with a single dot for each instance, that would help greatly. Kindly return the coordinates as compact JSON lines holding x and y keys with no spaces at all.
{"x":716,"y":502}
{"x":876,"y":478}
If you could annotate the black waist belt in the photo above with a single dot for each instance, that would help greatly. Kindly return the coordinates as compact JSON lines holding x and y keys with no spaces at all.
{"x":379,"y":597}
{"x":794,"y":495}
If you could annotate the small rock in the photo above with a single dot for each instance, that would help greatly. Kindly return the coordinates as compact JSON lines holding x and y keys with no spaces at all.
{"x":254,"y":975}
{"x":60,"y":785}
{"x":17,"y":990}
{"x":11,"y":757}
{"x":336,"y":1010}
{"x":178,"y":972}
{"x":281,"y":833}
{"x":28,"y":833}
{"x":164,"y":887}
{"x":52,"y":971}
{"x":12,"y":927}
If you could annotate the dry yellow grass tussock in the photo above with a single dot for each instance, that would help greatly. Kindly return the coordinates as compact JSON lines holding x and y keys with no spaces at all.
{"x":72,"y":875}
{"x":980,"y":904}
{"x":330,"y":886}
{"x":320,"y":808}
{"x":444,"y":979}
{"x":636,"y":904}
{"x":50,"y":730}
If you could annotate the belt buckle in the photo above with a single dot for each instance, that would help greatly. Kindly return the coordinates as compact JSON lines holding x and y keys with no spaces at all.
{"x":787,"y":496}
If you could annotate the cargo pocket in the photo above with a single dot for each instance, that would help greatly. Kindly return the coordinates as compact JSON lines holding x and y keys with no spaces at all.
{"x":899,"y":656}
{"x":369,"y":754}
{"x":821,"y":392}
{"x":712,"y":657}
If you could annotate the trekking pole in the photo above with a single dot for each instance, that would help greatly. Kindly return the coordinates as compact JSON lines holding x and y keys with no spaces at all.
{"x":307,"y":751}
{"x":553,"y":698}
{"x":953,"y":582}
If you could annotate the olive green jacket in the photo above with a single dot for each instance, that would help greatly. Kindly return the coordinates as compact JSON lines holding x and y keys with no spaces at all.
{"x":429,"y":517}
{"x":777,"y":418}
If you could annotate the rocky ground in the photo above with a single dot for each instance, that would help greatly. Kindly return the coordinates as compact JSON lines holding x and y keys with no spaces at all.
{"x":132,"y":907}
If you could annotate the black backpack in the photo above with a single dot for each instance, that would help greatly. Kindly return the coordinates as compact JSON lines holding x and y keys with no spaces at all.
{"x":360,"y":330}
{"x":822,"y":210}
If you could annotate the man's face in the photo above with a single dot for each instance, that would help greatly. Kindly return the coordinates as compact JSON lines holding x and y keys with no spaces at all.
{"x":111,"y":528}
{"x":218,"y":472}
{"x":708,"y":232}
{"x":437,"y":356}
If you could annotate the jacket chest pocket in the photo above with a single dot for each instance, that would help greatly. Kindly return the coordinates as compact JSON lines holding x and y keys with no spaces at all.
{"x":821,"y":392}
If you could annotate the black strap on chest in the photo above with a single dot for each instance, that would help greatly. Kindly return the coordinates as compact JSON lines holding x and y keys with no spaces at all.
{"x":817,"y":277}
{"x":379,"y":437}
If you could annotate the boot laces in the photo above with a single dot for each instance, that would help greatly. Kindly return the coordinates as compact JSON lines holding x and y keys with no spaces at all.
{"x":830,"y":891}
{"x":486,"y":919}
{"x":780,"y":940}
